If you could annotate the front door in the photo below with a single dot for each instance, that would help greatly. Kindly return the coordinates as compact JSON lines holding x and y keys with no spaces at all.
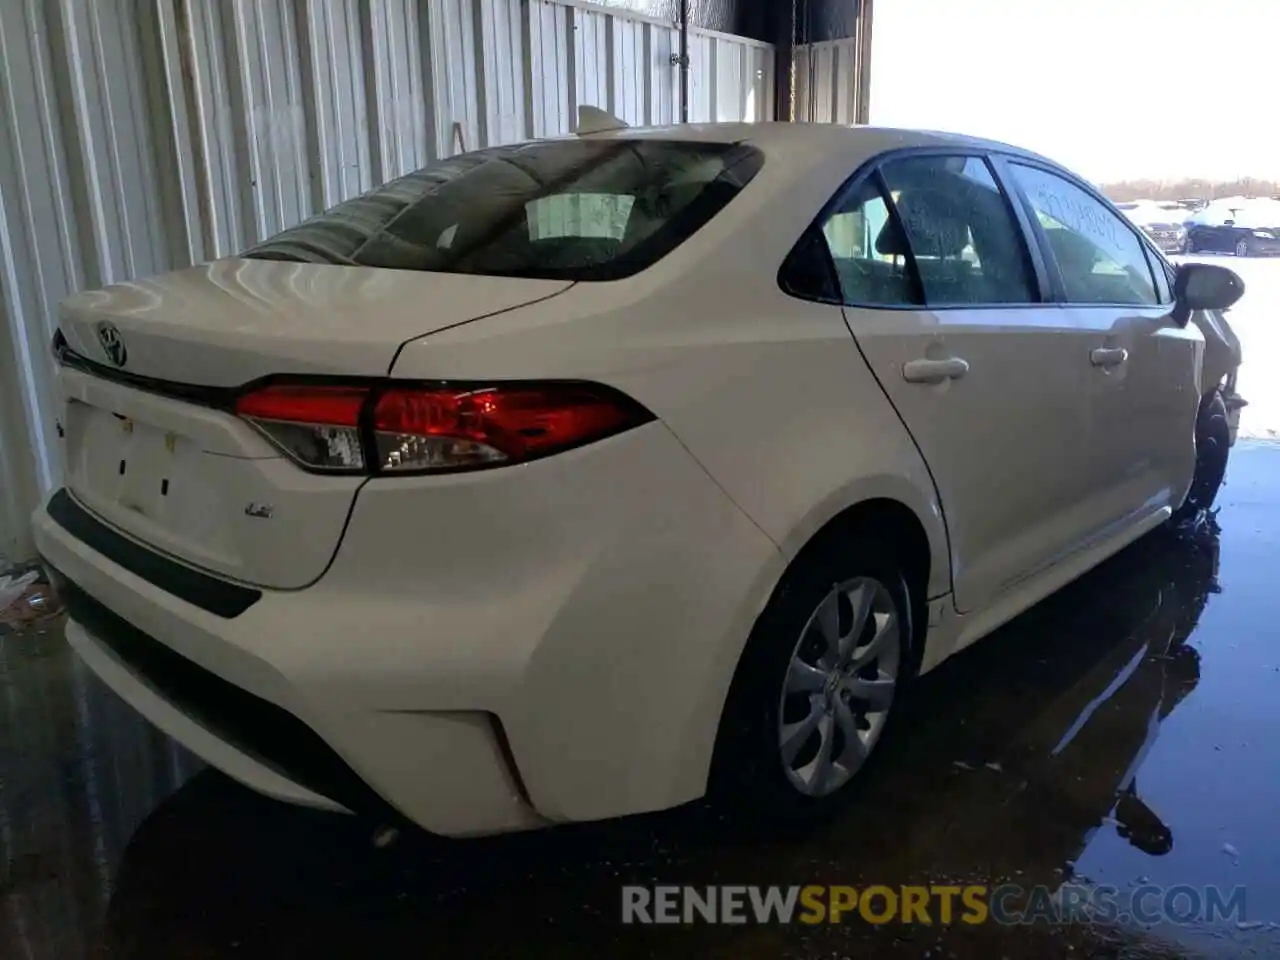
{"x":945,"y":303}
{"x":1143,"y":367}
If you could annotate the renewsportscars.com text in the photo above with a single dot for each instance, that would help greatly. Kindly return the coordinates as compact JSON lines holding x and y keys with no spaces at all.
{"x":1008,"y":904}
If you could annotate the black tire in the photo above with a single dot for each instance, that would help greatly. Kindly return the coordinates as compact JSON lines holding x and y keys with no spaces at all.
{"x":1213,"y":446}
{"x":748,"y":778}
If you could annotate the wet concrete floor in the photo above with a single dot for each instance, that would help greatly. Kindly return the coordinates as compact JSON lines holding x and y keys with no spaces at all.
{"x":1122,"y":732}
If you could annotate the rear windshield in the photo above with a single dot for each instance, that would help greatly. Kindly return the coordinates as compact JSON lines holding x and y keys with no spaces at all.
{"x":564,"y":209}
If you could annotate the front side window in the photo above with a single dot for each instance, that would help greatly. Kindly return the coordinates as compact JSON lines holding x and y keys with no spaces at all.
{"x":968,"y":248}
{"x":564,"y":209}
{"x":929,"y":230}
{"x":1101,"y":260}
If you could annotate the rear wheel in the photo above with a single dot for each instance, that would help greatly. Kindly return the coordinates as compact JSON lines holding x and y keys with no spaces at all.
{"x":1189,"y":245}
{"x":1242,"y":248}
{"x":817,"y":688}
{"x":1213,"y":445}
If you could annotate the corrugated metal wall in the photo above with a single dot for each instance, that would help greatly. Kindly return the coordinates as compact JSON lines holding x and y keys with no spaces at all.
{"x":831,"y":81}
{"x":139,"y":137}
{"x":723,"y":15}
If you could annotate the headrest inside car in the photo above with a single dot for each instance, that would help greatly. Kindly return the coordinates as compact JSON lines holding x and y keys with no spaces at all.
{"x":935,"y":223}
{"x":890,"y":242}
{"x":1074,"y":253}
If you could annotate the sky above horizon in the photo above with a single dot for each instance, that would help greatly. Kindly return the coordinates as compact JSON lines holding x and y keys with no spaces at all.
{"x":1114,"y":89}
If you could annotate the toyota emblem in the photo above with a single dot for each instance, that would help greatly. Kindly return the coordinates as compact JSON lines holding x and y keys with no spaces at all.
{"x":112,"y":343}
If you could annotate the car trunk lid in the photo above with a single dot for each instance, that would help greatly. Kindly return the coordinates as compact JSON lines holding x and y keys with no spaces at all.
{"x":150,"y":370}
{"x":232,"y":321}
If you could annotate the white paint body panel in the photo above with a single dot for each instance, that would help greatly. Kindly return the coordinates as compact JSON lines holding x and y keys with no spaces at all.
{"x":1139,"y":454}
{"x":206,"y":744}
{"x":597,"y":602}
{"x":233,"y":321}
{"x":572,"y":587}
{"x":1022,"y":405}
{"x":190,"y":501}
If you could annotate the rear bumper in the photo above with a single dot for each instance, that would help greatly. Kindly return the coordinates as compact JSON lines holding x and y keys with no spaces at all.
{"x":487,"y":653}
{"x":239,"y":761}
{"x":271,"y":749}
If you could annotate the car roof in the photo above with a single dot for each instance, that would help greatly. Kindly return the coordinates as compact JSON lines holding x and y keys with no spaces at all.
{"x":803,"y":137}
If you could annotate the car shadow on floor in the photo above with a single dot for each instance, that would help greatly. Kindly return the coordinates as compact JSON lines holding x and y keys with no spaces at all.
{"x":1007,"y":761}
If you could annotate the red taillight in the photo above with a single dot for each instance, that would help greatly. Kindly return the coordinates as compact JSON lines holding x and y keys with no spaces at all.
{"x":318,"y":426}
{"x":337,"y":406}
{"x":435,"y":427}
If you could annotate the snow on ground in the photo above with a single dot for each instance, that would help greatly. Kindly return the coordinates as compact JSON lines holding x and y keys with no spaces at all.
{"x":1256,"y":321}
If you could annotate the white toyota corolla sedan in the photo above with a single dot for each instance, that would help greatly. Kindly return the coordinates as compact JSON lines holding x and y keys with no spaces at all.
{"x":586,"y":477}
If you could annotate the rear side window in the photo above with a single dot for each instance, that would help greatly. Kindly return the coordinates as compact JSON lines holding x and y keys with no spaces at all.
{"x":1099,"y":257}
{"x":871,"y":266}
{"x":565,"y":209}
{"x":933,"y":230}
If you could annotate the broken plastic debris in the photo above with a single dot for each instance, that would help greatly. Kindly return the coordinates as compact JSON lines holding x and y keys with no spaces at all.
{"x":11,"y":588}
{"x":961,"y":764}
{"x":1229,"y":850}
{"x":996,"y":767}
{"x":1249,"y":925}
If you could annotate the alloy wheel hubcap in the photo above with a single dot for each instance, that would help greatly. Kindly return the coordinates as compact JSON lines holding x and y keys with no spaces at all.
{"x":839,"y":686}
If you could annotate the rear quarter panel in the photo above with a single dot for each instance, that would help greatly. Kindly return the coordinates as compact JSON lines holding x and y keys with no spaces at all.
{"x":768,"y":392}
{"x":774,"y":404}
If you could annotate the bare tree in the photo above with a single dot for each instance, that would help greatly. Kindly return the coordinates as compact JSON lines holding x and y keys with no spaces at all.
{"x":1190,"y":189}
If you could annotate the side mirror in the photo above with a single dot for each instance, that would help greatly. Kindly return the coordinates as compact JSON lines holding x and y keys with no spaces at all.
{"x":1204,"y":286}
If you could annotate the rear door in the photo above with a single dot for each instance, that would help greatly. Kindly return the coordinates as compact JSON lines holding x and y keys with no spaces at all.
{"x":944,"y":297}
{"x":1143,"y":368}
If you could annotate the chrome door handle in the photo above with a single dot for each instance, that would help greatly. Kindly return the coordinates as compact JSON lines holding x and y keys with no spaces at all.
{"x":934,"y":371}
{"x":1108,"y":356}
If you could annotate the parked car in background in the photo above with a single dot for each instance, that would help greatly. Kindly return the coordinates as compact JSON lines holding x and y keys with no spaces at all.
{"x":1168,"y":235}
{"x":1163,"y":224}
{"x":521,"y":490}
{"x":1232,"y":238}
{"x":1243,"y":226}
